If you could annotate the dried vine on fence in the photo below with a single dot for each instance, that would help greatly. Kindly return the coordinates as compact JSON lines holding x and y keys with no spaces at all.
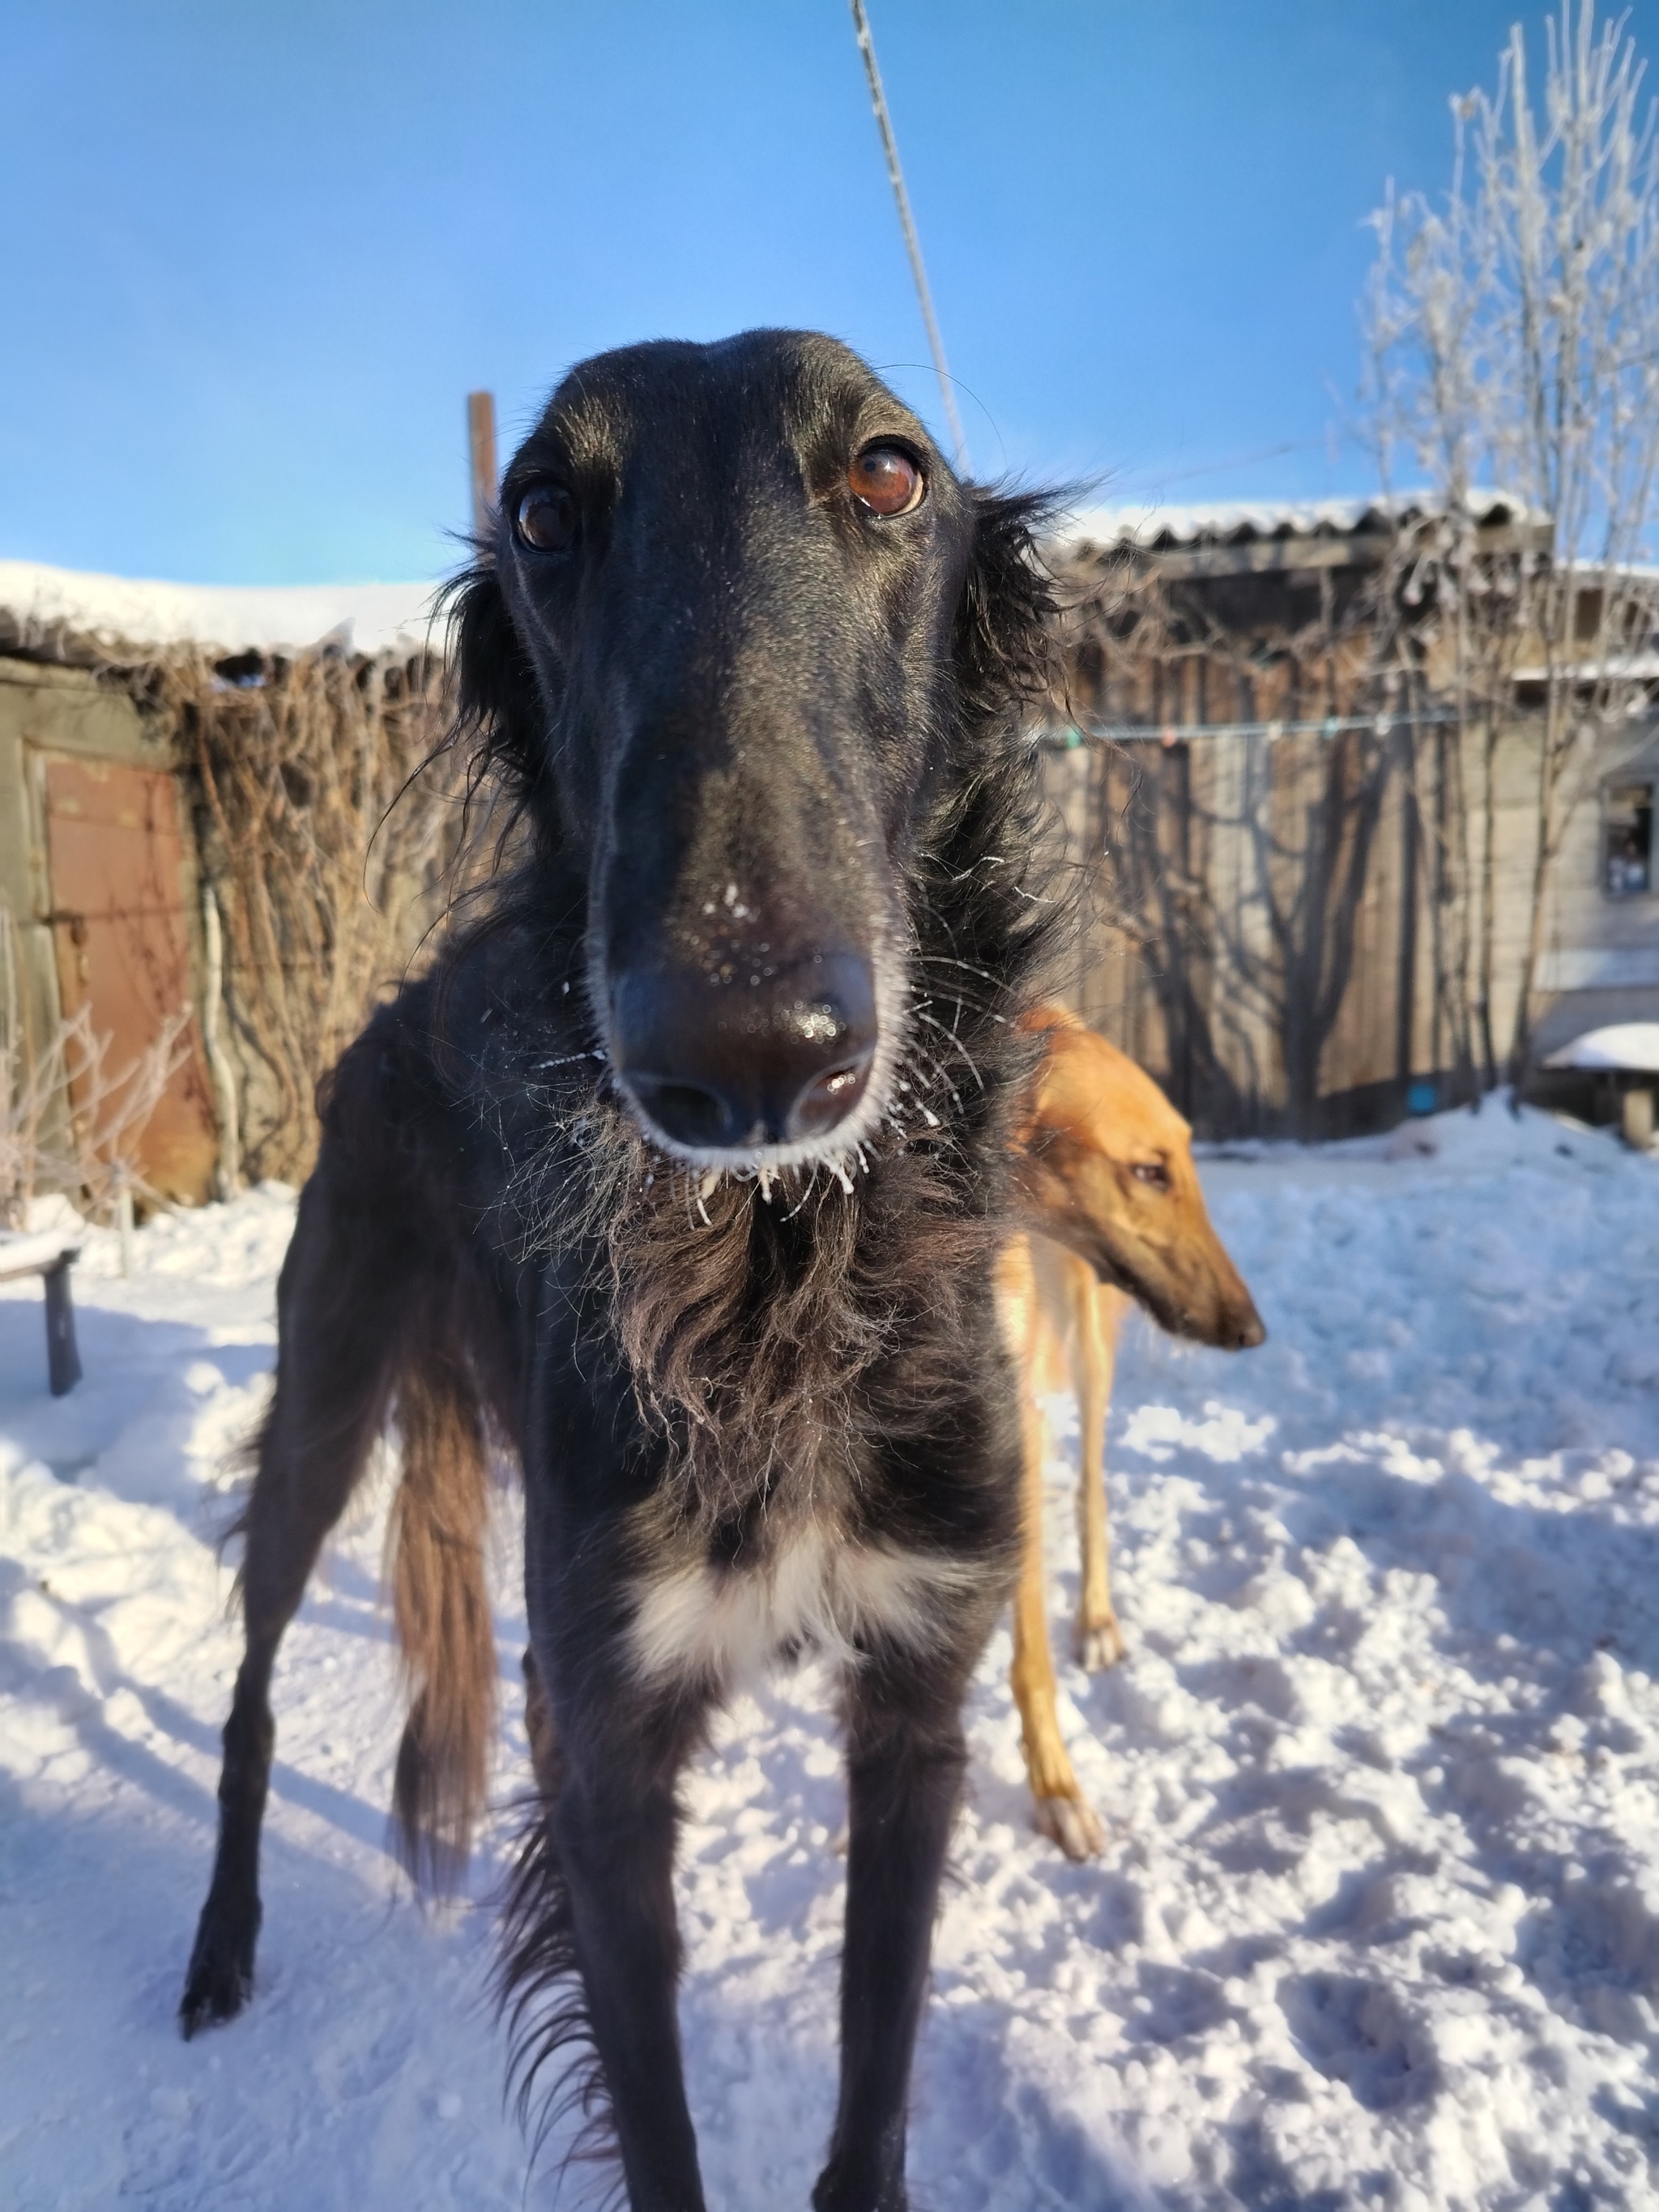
{"x":328,"y":822}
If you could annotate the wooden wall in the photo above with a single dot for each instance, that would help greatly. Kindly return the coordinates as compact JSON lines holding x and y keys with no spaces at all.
{"x":1285,"y":929}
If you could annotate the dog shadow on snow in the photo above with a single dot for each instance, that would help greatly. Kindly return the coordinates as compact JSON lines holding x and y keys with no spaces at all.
{"x":1006,"y":2143}
{"x":127,"y":1425}
{"x":126,"y":1432}
{"x":114,"y":1863}
{"x":1558,"y":1587}
{"x":323,"y":2094}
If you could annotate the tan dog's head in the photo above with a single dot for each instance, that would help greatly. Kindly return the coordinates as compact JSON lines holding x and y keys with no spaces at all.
{"x":1108,"y":1171}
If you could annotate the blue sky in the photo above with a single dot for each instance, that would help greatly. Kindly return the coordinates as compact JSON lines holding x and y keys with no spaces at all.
{"x":257,"y":254}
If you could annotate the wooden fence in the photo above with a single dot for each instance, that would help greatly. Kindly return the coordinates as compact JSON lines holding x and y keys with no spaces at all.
{"x":1265,"y":920}
{"x":1310,"y":884}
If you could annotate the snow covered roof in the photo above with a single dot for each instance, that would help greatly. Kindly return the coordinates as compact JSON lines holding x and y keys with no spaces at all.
{"x":71,"y":615}
{"x":1631,"y":1045}
{"x":1154,"y":527}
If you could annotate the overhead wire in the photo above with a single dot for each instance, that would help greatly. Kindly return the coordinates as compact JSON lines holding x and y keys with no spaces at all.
{"x":907,"y":221}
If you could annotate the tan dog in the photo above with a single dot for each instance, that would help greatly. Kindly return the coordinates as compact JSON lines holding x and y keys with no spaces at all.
{"x":1112,"y":1195}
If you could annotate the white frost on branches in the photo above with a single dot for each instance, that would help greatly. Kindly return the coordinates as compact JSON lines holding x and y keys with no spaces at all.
{"x":1515,"y":328}
{"x":70,"y":1122}
{"x":1512,"y":335}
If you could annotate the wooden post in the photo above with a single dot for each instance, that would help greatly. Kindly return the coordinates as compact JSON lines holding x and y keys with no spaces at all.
{"x":1405,"y":988}
{"x":481,"y":447}
{"x":125,"y":1220}
{"x":1637,"y":1118}
{"x":229,"y":1173}
{"x":63,"y":1360}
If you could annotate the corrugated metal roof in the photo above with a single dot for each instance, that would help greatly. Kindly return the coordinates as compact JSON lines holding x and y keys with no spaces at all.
{"x":1155,"y":526}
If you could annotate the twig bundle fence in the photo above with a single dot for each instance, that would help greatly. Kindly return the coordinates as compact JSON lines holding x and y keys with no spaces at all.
{"x":328,"y":820}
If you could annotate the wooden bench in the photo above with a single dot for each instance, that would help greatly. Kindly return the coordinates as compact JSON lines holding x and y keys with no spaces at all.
{"x":50,"y":1253}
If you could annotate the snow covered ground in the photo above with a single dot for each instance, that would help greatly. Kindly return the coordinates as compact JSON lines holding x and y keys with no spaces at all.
{"x":1378,"y":1921}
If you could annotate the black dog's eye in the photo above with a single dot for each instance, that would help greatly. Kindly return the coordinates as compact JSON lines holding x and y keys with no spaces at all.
{"x":1152,"y":1171}
{"x":546,"y":519}
{"x":885,"y":479}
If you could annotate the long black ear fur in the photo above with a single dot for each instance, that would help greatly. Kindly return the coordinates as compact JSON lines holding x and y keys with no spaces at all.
{"x":500,"y":719}
{"x":1005,"y":645}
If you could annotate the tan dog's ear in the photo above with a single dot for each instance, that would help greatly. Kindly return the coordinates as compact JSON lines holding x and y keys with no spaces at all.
{"x":1048,"y":1014}
{"x":1044,"y":1018}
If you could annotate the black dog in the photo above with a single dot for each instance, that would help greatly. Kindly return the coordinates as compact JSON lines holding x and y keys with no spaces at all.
{"x":682,"y":1176}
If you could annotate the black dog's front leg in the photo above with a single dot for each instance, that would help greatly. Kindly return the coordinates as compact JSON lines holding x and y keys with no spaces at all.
{"x":608,"y":1744}
{"x":614,"y":1841}
{"x":607,"y":1757}
{"x":905,"y":1760}
{"x":597,"y":1898}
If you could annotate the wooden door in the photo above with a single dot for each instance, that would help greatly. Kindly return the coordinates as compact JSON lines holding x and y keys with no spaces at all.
{"x":123,"y":942}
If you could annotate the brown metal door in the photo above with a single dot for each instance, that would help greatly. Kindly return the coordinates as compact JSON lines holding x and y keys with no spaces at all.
{"x":123,"y":942}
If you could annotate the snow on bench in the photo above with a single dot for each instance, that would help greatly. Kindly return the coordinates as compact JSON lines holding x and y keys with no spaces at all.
{"x":1629,"y":1046}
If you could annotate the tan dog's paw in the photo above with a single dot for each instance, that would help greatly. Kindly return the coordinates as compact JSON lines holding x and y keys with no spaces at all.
{"x":1072,"y":1823}
{"x":1100,"y":1645}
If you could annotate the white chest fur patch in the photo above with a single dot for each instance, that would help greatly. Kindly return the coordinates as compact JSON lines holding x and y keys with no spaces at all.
{"x":725,"y":1625}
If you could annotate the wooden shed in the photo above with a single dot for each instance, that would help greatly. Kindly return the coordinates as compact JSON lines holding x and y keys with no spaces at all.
{"x":1308,"y":866}
{"x":107,"y":897}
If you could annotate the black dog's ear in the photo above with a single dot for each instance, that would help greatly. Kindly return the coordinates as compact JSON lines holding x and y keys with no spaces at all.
{"x":499,"y":716}
{"x":1007,"y":645}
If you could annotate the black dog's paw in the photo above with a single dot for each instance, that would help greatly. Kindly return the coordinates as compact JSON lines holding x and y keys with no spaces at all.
{"x":220,"y":1980}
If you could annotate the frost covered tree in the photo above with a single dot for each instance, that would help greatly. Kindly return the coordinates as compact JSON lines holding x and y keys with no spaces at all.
{"x":1512,"y":334}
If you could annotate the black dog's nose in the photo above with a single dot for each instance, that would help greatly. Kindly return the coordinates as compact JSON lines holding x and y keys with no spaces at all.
{"x":730,"y":1065}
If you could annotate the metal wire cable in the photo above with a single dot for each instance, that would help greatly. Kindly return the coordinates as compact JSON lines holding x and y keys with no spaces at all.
{"x":912,"y":242}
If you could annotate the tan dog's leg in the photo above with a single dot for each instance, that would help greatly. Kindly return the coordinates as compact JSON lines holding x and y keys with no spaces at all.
{"x":1099,"y":1311}
{"x":1058,"y":1806}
